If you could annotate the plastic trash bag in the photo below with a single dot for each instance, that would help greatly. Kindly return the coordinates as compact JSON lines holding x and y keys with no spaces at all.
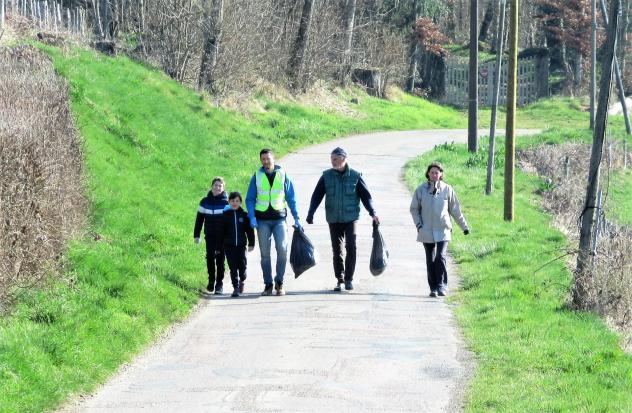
{"x":379,"y":253}
{"x":302,"y":254}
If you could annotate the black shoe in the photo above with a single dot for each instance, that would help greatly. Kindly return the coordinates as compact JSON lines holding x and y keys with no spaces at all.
{"x":209,"y":288}
{"x":348,"y":285}
{"x":338,"y":286}
{"x":433,"y":294}
{"x":267,"y":290}
{"x":219,"y":290}
{"x":441,"y":293}
{"x":235,"y":292}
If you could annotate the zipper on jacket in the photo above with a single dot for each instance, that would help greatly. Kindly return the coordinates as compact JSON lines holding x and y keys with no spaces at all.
{"x":236,"y":233}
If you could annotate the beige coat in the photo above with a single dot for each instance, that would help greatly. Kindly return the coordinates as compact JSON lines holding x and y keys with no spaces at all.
{"x":431,"y":213}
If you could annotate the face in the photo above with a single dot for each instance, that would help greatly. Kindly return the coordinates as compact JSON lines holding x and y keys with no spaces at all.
{"x":267,"y":161}
{"x":435,"y":174}
{"x":235,"y":203}
{"x":218,"y":188}
{"x":338,"y":162}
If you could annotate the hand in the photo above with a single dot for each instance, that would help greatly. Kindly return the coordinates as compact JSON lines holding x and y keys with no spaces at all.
{"x":466,"y":232}
{"x":197,"y":240}
{"x":297,"y":224}
{"x":376,"y":220}
{"x":253,"y":223}
{"x":251,"y":248}
{"x":309,"y":219}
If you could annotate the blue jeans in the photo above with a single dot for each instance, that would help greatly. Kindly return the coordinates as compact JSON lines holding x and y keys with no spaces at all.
{"x":266,"y":229}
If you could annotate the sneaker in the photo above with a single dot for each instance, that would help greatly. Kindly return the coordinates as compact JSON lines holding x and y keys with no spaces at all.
{"x":348,"y":285}
{"x":235,"y":293}
{"x":219,"y":290}
{"x":433,"y":293}
{"x":267,"y":290}
{"x":279,"y":289}
{"x":338,"y":286}
{"x":241,"y":287}
{"x":441,"y":293}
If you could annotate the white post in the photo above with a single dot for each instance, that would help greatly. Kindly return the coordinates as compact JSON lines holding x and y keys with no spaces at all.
{"x":1,"y":13}
{"x":69,"y":20}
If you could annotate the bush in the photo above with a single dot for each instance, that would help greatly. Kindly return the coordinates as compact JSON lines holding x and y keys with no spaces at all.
{"x":41,"y":199}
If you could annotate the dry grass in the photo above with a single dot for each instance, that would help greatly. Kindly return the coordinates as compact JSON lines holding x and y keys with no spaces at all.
{"x":563,"y":168}
{"x":41,"y":199}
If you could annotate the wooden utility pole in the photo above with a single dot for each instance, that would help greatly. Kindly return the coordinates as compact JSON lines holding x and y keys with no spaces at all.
{"x":582,"y":277}
{"x":593,"y":62}
{"x":472,"y":123}
{"x":500,"y":36}
{"x":617,"y":72}
{"x":510,"y":128}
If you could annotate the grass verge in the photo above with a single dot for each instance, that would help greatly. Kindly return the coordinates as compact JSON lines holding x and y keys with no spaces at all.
{"x":534,"y":354}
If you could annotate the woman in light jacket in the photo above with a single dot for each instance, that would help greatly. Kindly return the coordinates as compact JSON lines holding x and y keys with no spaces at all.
{"x":431,"y":207}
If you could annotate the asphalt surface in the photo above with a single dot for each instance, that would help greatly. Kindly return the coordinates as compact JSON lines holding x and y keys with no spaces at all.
{"x":383,"y":347}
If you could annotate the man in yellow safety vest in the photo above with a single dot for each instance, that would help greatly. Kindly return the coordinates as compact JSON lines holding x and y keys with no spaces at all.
{"x":269,"y":194}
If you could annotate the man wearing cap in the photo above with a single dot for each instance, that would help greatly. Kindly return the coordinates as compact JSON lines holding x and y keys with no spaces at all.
{"x":343,"y":189}
{"x":269,"y":194}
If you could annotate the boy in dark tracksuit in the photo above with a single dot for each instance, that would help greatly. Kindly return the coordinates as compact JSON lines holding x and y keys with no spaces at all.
{"x":236,"y":232}
{"x":210,"y":216}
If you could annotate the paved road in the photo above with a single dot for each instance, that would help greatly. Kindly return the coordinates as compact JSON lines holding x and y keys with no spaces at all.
{"x":385,"y":347}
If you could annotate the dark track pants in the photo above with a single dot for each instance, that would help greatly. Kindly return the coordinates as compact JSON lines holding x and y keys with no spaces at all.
{"x":339,"y":232}
{"x":237,"y":263}
{"x":435,"y":265}
{"x":215,"y":261}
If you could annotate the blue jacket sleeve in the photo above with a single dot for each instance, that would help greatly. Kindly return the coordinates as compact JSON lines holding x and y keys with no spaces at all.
{"x":251,"y":198}
{"x":365,"y":196}
{"x":290,"y":197}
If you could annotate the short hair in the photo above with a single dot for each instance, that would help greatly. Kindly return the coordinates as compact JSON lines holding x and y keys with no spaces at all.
{"x":264,"y":151}
{"x":434,"y":165}
{"x":218,"y":179}
{"x":235,"y":195}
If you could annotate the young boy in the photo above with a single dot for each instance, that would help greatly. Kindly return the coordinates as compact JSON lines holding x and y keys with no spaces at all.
{"x":209,"y":215}
{"x":236,"y":232}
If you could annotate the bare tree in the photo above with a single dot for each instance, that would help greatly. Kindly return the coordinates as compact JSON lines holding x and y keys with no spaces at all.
{"x":212,"y":35}
{"x":297,"y":57}
{"x":348,"y":20}
{"x":487,"y":21}
{"x":414,"y":51}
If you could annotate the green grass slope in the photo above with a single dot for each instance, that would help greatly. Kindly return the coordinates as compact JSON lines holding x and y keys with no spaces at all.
{"x":151,"y":148}
{"x":534,"y":354}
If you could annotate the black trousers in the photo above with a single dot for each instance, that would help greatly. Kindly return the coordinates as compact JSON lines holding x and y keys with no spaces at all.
{"x":215,"y":261}
{"x":237,"y":262}
{"x":339,"y":232}
{"x":435,"y":265}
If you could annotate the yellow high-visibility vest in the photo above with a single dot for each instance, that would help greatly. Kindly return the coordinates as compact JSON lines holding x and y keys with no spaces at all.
{"x":270,"y":195}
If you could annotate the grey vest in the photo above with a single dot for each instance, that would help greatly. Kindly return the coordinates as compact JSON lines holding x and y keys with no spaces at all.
{"x":342,"y":203}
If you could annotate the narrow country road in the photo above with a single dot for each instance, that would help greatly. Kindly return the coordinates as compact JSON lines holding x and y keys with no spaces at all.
{"x":384,"y":347}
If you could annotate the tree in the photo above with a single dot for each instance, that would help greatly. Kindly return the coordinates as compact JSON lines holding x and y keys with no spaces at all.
{"x":414,"y":51}
{"x":297,"y":57}
{"x":212,"y":35}
{"x":348,"y":20}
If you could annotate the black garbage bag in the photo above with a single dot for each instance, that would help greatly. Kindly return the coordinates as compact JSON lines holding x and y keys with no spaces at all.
{"x":302,"y":254}
{"x":379,"y":253}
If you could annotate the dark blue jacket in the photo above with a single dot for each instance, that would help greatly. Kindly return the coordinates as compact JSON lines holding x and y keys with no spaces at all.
{"x":236,"y":229}
{"x":209,"y":215}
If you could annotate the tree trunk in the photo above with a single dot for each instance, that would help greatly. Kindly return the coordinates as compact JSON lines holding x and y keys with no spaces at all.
{"x":510,"y":128}
{"x":472,"y":123}
{"x":583,"y":278}
{"x":487,"y":21}
{"x":212,"y":35}
{"x":414,"y":52}
{"x":297,"y":58}
{"x":348,"y":21}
